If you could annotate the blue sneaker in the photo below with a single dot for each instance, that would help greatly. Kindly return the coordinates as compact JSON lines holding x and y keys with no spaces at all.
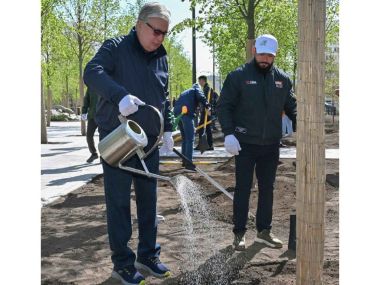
{"x":128,"y":276}
{"x":152,"y":266}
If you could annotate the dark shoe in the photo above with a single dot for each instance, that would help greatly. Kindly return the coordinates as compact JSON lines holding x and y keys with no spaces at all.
{"x":152,"y":266}
{"x":210,"y":148}
{"x":239,"y":241}
{"x":92,"y":157}
{"x":266,"y":237}
{"x":128,"y":276}
{"x":197,"y":148}
{"x":189,"y":167}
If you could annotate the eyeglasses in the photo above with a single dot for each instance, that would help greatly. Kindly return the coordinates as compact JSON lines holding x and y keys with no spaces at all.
{"x":156,"y":32}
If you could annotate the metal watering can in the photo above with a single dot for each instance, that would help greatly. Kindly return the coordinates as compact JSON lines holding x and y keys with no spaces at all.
{"x":127,"y":140}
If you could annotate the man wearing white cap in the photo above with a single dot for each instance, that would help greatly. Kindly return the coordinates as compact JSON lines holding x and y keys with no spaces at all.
{"x":249,"y":111}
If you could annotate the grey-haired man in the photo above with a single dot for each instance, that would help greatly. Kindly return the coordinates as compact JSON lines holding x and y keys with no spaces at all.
{"x":249,"y":111}
{"x":127,"y":72}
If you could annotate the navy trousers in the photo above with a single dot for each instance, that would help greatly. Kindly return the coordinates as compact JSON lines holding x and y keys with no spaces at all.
{"x":186,"y":127}
{"x":265,"y":158}
{"x":117,"y":186}
{"x":91,"y":128}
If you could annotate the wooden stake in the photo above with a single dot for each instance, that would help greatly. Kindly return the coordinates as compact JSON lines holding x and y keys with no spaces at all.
{"x":310,"y":182}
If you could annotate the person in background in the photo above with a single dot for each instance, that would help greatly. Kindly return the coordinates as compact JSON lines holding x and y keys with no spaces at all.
{"x":88,"y":114}
{"x":287,"y":128}
{"x":249,"y":111}
{"x":214,"y":116}
{"x":202,"y":80}
{"x":190,"y":98}
{"x":128,"y":72}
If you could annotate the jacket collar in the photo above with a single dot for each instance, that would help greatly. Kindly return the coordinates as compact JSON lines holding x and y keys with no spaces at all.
{"x":161,"y":51}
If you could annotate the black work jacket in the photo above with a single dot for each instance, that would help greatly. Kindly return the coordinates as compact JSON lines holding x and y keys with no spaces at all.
{"x":251,"y":104}
{"x":89,"y":104}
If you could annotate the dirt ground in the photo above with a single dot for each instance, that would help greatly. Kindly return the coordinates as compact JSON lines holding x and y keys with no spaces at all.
{"x":75,"y":246}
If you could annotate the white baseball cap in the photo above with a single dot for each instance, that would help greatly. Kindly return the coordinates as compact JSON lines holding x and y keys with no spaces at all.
{"x":266,"y":44}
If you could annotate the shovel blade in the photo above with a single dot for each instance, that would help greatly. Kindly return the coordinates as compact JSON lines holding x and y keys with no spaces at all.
{"x":203,"y":144}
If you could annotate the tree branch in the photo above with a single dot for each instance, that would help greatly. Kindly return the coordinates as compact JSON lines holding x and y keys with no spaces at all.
{"x":242,"y":8}
{"x":257,"y":3}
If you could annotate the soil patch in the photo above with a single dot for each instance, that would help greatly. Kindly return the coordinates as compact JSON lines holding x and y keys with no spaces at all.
{"x":75,"y":247}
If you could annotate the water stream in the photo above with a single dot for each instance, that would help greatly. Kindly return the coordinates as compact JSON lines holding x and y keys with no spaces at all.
{"x":201,"y":233}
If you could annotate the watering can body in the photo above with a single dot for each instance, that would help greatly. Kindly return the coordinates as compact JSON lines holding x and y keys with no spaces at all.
{"x":127,"y":140}
{"x":122,"y":143}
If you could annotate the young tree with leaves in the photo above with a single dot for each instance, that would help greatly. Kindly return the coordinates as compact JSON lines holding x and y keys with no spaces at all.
{"x":84,"y":30}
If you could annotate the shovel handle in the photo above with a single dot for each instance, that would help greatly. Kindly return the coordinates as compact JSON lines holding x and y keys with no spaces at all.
{"x":205,"y":175}
{"x":208,"y":100}
{"x":183,"y":157}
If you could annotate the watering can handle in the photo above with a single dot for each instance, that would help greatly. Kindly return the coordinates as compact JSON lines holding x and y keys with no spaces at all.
{"x":124,"y":119}
{"x":161,"y":129}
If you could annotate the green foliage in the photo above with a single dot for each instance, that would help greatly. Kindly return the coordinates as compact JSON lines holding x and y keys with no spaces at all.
{"x":106,"y":13}
{"x":224,"y":24}
{"x":74,"y":28}
{"x":332,"y":48}
{"x":220,"y":23}
{"x":180,"y":75}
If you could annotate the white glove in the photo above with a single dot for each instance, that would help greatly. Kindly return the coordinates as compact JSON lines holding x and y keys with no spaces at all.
{"x":83,"y":117}
{"x":232,"y":144}
{"x":129,"y":104}
{"x":168,"y":142}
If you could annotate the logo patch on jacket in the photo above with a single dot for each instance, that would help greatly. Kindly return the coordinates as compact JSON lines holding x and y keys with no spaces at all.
{"x":241,"y":130}
{"x":278,"y":84}
{"x":250,"y":82}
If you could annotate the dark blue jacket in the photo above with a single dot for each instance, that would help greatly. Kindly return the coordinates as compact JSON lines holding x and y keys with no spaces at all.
{"x":122,"y":67}
{"x":251,"y":104}
{"x":190,"y":98}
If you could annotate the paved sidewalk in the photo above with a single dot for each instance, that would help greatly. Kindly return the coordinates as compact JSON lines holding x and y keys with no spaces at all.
{"x":64,"y":167}
{"x":220,"y":152}
{"x":63,"y":161}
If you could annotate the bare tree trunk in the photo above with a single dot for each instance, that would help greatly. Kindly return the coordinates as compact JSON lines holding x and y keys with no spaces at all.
{"x":43,"y":120}
{"x":63,"y":98}
{"x":81,"y":93}
{"x":67,"y":95}
{"x":310,"y":181}
{"x":248,"y":50}
{"x":49,"y":106}
{"x":250,"y":19}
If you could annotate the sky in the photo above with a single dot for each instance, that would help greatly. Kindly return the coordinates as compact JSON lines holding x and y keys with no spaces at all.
{"x":180,"y":11}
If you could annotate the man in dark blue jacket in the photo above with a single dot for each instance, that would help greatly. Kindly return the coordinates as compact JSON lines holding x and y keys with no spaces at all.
{"x":127,"y":72}
{"x":191,"y":99}
{"x":249,"y":111}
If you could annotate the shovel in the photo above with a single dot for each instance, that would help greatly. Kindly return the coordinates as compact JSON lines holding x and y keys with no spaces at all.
{"x":177,"y":135}
{"x":205,"y":175}
{"x":203,"y":144}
